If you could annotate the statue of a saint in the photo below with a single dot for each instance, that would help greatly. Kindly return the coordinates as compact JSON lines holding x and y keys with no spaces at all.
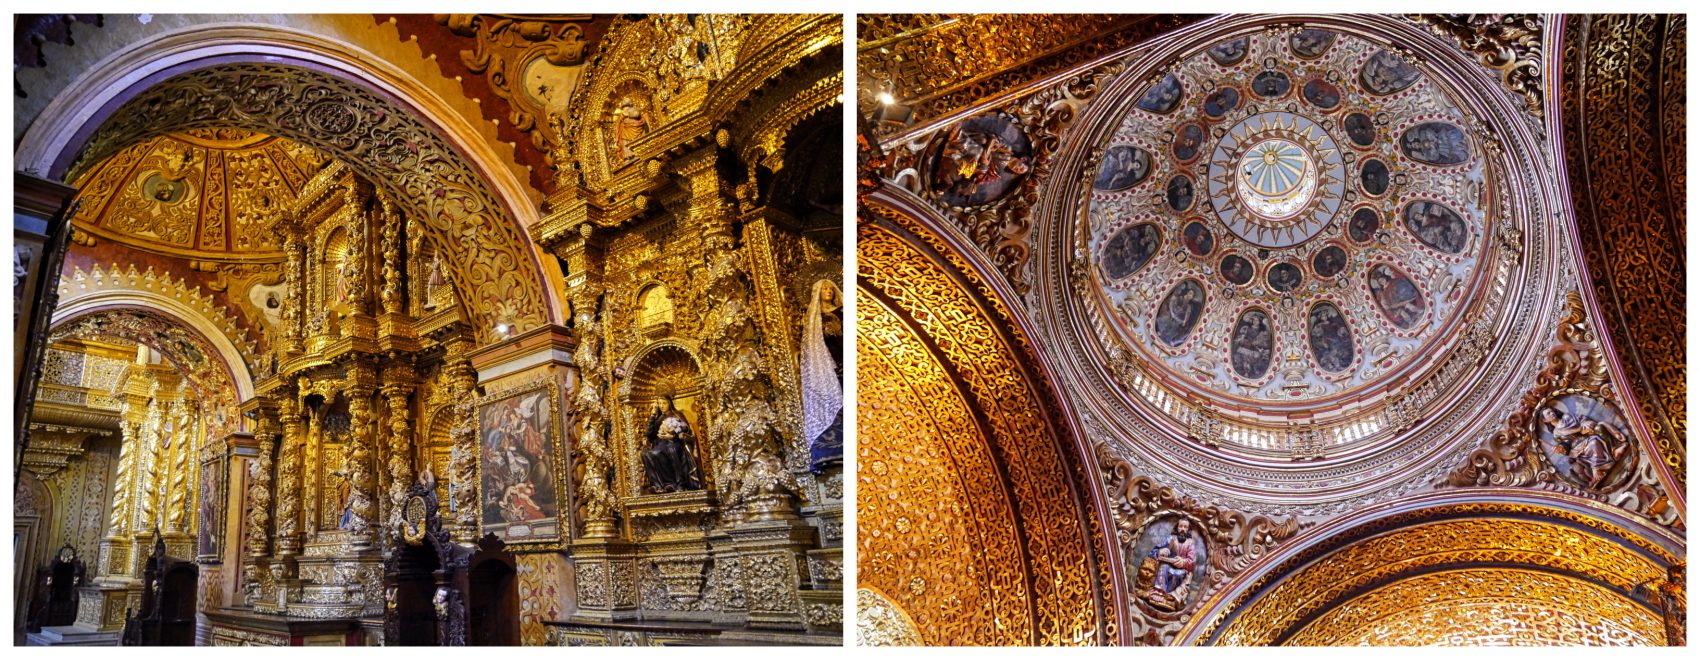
{"x":668,"y":462}
{"x":630,"y":123}
{"x":823,"y":391}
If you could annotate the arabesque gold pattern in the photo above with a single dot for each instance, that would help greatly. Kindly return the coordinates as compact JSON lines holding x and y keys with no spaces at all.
{"x":1625,"y":142}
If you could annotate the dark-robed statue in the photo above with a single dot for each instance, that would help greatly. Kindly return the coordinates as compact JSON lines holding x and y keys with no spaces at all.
{"x":667,"y":462}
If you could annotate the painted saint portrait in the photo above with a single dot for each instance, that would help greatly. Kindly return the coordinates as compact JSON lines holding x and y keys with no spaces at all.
{"x":1364,"y":224}
{"x":516,"y":465}
{"x":1237,"y":270}
{"x":1230,"y":52}
{"x":1251,"y":349}
{"x":1271,"y":84}
{"x":1130,"y":249}
{"x":1179,"y":193}
{"x":1321,"y":93}
{"x":1188,"y":142}
{"x":1586,"y":440}
{"x":1221,"y":101}
{"x":1123,"y":166}
{"x":1328,"y":261}
{"x":980,"y":160}
{"x":1285,"y":277}
{"x":1436,"y":143}
{"x":1360,"y":129}
{"x":1386,"y":73}
{"x":1162,"y":97}
{"x":1197,"y":239}
{"x":1179,"y":312}
{"x":1330,"y":338}
{"x":1374,"y":177}
{"x":1437,"y":226}
{"x":1171,"y":561}
{"x":159,"y":188}
{"x":211,"y":501}
{"x":1311,"y":44}
{"x":1397,"y":296}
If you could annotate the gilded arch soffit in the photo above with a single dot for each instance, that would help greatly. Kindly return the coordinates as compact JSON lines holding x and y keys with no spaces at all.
{"x":375,"y":136}
{"x":185,"y":348}
{"x":116,"y":285}
{"x":1500,"y":537}
{"x":1047,"y":481}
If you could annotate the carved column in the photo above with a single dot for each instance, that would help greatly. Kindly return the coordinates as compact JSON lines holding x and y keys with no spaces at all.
{"x":294,"y":257}
{"x":391,"y":294}
{"x":400,"y":446}
{"x":182,"y":443}
{"x":362,"y":498}
{"x":260,"y":487}
{"x":463,"y":452}
{"x":289,"y":471}
{"x":590,"y":419}
{"x":152,"y":460}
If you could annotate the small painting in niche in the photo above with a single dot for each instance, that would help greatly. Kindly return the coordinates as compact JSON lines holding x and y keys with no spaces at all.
{"x":1198,"y":239}
{"x":1330,"y":338}
{"x":1436,"y":143}
{"x":1179,"y":193}
{"x":1179,"y":313}
{"x":1386,"y":73}
{"x":1360,"y":129}
{"x":1328,"y":261}
{"x":1285,"y":277}
{"x":1321,"y":93}
{"x":1123,"y":167}
{"x":516,"y":467}
{"x":212,"y":505}
{"x":1237,"y":270}
{"x":1252,"y":348}
{"x":1130,"y":249}
{"x":1271,"y":84}
{"x":1437,"y":226}
{"x":164,"y":190}
{"x":1230,"y":52}
{"x":1374,"y":177}
{"x":980,"y":160}
{"x":1585,"y":439}
{"x":1221,"y":101}
{"x":1172,"y":563}
{"x":1162,"y":97}
{"x":1188,"y":141}
{"x":1311,"y":43}
{"x":1363,"y":225}
{"x":1397,"y":296}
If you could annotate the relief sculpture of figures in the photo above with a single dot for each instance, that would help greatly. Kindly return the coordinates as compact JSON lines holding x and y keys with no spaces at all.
{"x":980,"y":160}
{"x":669,"y":464}
{"x":1584,"y":438}
{"x":1172,"y":558}
{"x":631,"y":121}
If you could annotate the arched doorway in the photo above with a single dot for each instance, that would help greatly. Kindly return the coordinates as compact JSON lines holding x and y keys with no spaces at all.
{"x":492,"y":596}
{"x":414,"y":583}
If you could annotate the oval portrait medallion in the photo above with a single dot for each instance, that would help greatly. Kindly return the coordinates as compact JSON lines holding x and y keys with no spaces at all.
{"x":1330,"y":338}
{"x":1252,"y":346}
{"x":1178,"y":313}
{"x":1129,"y":250}
{"x":1397,"y":296}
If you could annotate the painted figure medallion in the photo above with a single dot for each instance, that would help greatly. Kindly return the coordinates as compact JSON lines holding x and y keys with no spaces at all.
{"x":1271,"y":84}
{"x":1130,"y":249}
{"x":981,"y":160}
{"x":1237,"y":270}
{"x":1586,"y":440}
{"x":1198,"y":239}
{"x":1437,"y":226}
{"x":1251,"y":349}
{"x":1436,"y":143}
{"x":1397,"y":296}
{"x":1178,"y":314}
{"x":1330,"y":338}
{"x":1162,"y":97}
{"x":1385,"y":73}
{"x":1124,"y":166}
{"x":1171,"y":562}
{"x":1230,"y":52}
{"x":1364,"y":224}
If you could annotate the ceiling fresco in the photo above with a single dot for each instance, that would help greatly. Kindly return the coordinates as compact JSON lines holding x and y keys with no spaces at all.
{"x":202,"y":193}
{"x":1287,"y":216}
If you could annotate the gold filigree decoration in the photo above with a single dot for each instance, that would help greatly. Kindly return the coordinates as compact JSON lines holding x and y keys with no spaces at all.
{"x":1507,"y":43}
{"x":880,"y":622}
{"x":381,"y":141}
{"x":506,"y":48}
{"x":1572,"y":415}
{"x":1624,"y":116}
{"x":78,"y":283}
{"x":980,"y":363}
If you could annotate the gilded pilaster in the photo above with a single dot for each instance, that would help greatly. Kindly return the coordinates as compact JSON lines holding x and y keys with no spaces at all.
{"x":363,"y":500}
{"x":391,"y":294}
{"x":463,"y":453}
{"x":289,"y":473}
{"x":400,"y":443}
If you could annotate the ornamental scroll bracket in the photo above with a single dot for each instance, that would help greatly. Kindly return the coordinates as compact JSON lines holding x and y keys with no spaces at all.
{"x":1144,"y":510}
{"x":1570,"y":435}
{"x":1509,"y":44}
{"x":992,"y":199}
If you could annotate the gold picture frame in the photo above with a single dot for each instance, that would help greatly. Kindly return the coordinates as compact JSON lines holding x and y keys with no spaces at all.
{"x":505,"y":513}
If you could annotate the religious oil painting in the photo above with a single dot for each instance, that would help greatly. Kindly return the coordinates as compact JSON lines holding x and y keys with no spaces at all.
{"x":1436,"y":143}
{"x":1360,"y":129}
{"x":1321,"y":93}
{"x":980,"y":160}
{"x":1188,"y":141}
{"x":1162,"y":97}
{"x":1374,"y":177}
{"x":1237,"y":270}
{"x":1124,"y":166}
{"x":1179,"y":313}
{"x":1221,"y":101}
{"x":1330,"y":338}
{"x":1252,"y":347}
{"x":1271,"y":84}
{"x":1364,"y":224}
{"x":1437,"y":226}
{"x":1198,"y":239}
{"x":1285,"y":277}
{"x":1170,"y":564}
{"x":1179,"y":193}
{"x":1386,"y":73}
{"x":517,"y":459}
{"x":1397,"y":296}
{"x":1311,"y":43}
{"x":1585,"y":439}
{"x":1230,"y":52}
{"x":1328,"y":261}
{"x":210,"y":499}
{"x":1130,"y":249}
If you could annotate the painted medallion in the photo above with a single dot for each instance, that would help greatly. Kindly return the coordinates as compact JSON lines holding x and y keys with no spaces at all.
{"x":1171,"y":562}
{"x":1130,"y":249}
{"x":1124,"y":166}
{"x":1330,"y":338}
{"x":1436,"y":143}
{"x":1437,"y":226}
{"x":1385,"y":73}
{"x":1178,"y":314}
{"x":1397,"y":296}
{"x":1586,"y":440}
{"x":1252,"y":347}
{"x":1162,"y":97}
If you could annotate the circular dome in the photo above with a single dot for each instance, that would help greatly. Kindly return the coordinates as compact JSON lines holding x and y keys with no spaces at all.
{"x":1341,"y":219}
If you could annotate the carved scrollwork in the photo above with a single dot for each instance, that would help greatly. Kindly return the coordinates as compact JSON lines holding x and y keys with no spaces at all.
{"x":1507,"y":43}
